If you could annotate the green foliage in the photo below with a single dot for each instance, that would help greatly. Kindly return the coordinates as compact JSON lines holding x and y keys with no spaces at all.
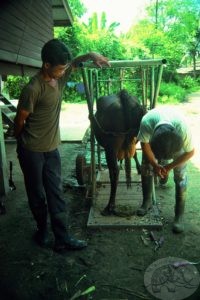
{"x":171,"y":93}
{"x":95,"y":36}
{"x":70,"y":95}
{"x":77,"y":7}
{"x":14,"y":84}
{"x":171,"y":33}
{"x":189,"y":83}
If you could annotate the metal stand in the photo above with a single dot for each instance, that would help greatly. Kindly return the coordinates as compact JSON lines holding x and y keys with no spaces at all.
{"x":141,"y":78}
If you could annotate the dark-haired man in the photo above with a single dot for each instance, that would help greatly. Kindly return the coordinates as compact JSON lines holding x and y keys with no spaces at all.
{"x":164,"y":135}
{"x":37,"y":133}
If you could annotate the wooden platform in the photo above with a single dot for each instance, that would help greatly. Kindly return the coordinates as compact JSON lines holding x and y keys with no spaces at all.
{"x":127,"y":203}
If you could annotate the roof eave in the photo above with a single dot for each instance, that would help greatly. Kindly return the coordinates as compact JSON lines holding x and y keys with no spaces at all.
{"x":62,"y":15}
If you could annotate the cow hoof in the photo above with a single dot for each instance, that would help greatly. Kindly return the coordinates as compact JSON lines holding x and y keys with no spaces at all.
{"x":141,"y":212}
{"x":107,"y":212}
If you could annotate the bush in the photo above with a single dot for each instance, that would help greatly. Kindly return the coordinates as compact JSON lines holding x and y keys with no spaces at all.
{"x":189,"y":82}
{"x":70,"y":95}
{"x":14,"y":84}
{"x":171,"y":93}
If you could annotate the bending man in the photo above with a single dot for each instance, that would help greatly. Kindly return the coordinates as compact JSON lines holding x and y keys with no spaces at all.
{"x":165,"y":136}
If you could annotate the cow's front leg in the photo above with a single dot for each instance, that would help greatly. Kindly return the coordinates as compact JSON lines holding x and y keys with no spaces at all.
{"x":111,"y":159}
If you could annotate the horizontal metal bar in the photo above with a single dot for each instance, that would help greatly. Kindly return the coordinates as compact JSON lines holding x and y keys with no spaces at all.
{"x":118,"y":80}
{"x":128,"y":63}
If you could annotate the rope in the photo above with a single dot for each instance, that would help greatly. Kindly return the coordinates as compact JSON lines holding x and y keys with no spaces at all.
{"x":128,"y":132}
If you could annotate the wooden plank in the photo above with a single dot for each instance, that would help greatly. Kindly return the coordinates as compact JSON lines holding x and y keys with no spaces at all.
{"x":16,"y":69}
{"x":24,"y":28}
{"x":103,"y":176}
{"x":96,"y":220}
{"x":12,"y":57}
{"x":12,"y":21}
{"x":127,"y":203}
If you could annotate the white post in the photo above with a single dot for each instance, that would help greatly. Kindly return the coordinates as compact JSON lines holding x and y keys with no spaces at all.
{"x":3,"y":163}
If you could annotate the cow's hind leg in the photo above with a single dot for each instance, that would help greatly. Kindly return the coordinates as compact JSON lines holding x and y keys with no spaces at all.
{"x":111,"y":159}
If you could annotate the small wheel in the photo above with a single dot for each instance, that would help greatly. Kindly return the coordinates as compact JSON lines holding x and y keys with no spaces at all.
{"x":81,"y":169}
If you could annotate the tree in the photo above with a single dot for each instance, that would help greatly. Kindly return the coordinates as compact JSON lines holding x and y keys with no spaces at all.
{"x":179,"y":20}
{"x":77,"y":7}
{"x":169,"y":31}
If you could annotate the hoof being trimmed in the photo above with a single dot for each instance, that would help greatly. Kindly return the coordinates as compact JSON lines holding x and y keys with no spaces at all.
{"x":141,"y":211}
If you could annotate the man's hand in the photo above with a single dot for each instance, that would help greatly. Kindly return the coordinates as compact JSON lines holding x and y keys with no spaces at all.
{"x":160,"y":171}
{"x":20,"y":118}
{"x":99,"y":60}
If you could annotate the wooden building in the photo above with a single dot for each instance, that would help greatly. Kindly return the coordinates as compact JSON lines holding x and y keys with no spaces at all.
{"x":25,"y":26}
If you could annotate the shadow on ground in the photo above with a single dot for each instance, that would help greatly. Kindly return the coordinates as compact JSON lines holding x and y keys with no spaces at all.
{"x":115,"y":260}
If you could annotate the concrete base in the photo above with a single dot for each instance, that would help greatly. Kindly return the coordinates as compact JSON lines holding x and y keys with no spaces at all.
{"x":127,"y":203}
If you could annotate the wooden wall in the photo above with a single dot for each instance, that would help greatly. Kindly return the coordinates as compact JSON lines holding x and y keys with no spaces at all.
{"x":25,"y":25}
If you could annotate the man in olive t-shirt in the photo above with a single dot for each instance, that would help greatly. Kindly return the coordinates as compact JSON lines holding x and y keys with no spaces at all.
{"x":38,"y":136}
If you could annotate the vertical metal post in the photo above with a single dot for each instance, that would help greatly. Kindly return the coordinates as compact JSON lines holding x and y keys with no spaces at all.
{"x":144,"y":99}
{"x":1,"y":83}
{"x":92,"y":137}
{"x":121,"y":78}
{"x":160,"y":71}
{"x":3,"y":163}
{"x":153,"y":193}
{"x":146,"y":84}
{"x":96,"y":82}
{"x":99,"y":157}
{"x":109,"y":85}
{"x":152,"y":87}
{"x":87,"y":92}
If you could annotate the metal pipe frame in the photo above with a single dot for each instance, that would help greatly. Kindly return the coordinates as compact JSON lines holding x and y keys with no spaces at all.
{"x":91,"y":77}
{"x":128,"y":63}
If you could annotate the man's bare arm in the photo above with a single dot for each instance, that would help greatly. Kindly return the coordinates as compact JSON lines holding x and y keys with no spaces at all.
{"x":179,"y":160}
{"x":98,"y":59}
{"x":20,"y":119}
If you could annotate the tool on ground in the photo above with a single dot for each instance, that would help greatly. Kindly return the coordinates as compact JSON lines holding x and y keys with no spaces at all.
{"x":11,"y":183}
{"x":178,"y":264}
{"x":158,"y":242}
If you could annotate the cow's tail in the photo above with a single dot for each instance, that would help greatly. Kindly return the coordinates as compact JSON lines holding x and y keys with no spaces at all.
{"x":128,"y":144}
{"x":127,"y":103}
{"x":126,"y":100}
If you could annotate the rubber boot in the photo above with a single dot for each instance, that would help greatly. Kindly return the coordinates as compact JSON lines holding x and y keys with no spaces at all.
{"x":180,"y":195}
{"x":63,"y":240}
{"x":147,"y":190}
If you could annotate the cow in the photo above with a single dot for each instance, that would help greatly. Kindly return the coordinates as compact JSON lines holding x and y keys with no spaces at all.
{"x":116,"y":124}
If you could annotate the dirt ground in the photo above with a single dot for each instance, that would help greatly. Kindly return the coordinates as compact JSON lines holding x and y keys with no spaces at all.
{"x":115,"y":261}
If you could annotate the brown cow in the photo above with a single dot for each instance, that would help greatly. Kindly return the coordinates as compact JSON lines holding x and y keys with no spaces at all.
{"x":116,"y":125}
